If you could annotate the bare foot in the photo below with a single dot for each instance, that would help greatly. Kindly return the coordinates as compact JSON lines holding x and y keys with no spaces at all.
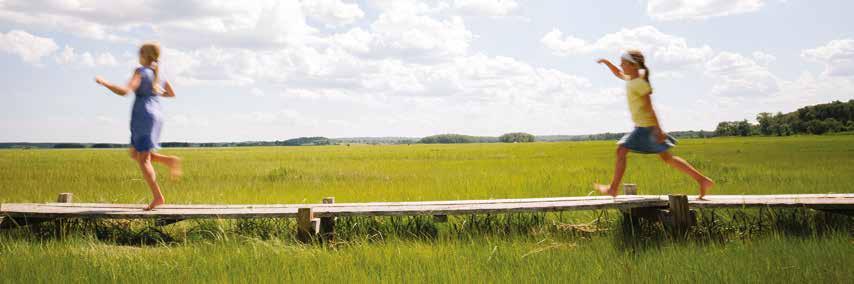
{"x":605,"y":189}
{"x":175,"y":171}
{"x":705,"y":185}
{"x":154,"y":203}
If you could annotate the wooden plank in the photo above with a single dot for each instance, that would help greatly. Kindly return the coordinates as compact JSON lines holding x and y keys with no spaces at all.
{"x":363,"y":209}
{"x":816,"y":201}
{"x":402,"y":203}
{"x":132,"y":211}
{"x":486,"y":208}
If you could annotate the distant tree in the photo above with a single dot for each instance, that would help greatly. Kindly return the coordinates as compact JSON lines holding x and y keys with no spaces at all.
{"x":307,"y":141}
{"x":767,"y":123}
{"x":816,"y":127}
{"x":516,"y":137}
{"x":833,"y":125}
{"x":724,"y":128}
{"x":447,"y":139}
{"x":68,"y":145}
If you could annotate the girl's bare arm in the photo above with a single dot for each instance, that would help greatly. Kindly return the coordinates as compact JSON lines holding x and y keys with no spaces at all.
{"x":660,"y":135}
{"x":617,"y":72}
{"x":168,"y":91}
{"x":118,"y":89}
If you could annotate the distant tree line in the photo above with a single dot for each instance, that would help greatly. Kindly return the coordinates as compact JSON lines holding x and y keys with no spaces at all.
{"x":516,"y":137}
{"x":302,"y":141}
{"x":819,"y":119}
{"x":456,"y":138}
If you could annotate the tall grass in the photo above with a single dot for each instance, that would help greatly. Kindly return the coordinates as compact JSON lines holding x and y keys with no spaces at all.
{"x":727,"y":245}
{"x":427,"y":172}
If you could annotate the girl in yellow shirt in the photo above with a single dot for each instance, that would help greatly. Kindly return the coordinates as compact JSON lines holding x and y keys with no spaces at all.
{"x":647,"y":137}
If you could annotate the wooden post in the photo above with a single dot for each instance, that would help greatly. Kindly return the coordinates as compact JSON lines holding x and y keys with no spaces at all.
{"x":680,"y":214}
{"x":631,"y":215}
{"x":630,"y":189}
{"x":66,"y":197}
{"x":306,"y":225}
{"x":60,"y":224}
{"x":327,"y":224}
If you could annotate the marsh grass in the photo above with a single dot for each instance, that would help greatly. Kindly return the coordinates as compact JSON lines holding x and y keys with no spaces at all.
{"x":732,"y":245}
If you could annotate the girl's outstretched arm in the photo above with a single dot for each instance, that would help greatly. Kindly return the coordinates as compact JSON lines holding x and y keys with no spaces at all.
{"x":168,"y":91}
{"x":617,"y":72}
{"x":118,"y":89}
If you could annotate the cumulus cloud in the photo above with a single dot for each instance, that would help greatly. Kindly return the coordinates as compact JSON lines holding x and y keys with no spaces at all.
{"x":332,"y":12}
{"x":263,"y":22}
{"x":738,"y":75}
{"x":406,"y":31}
{"x":837,"y":57}
{"x":668,"y":51}
{"x":486,"y":7}
{"x":669,"y":10}
{"x":29,"y":47}
{"x":69,"y":57}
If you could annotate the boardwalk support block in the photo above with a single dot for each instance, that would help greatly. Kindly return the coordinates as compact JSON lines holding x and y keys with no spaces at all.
{"x":65,"y":197}
{"x":679,"y":217}
{"x":160,"y":222}
{"x":61,"y":225}
{"x":327,"y":224}
{"x":307,"y":225}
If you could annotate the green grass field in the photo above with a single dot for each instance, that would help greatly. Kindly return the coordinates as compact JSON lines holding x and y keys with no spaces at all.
{"x":383,"y":250}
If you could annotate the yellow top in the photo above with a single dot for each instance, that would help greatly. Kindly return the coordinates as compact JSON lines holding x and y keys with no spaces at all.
{"x":642,"y":114}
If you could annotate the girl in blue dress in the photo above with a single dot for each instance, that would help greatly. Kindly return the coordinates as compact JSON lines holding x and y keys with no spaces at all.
{"x":147,"y":118}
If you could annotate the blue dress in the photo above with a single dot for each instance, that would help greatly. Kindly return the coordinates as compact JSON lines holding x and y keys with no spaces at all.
{"x":644,"y":140}
{"x":146,"y":117}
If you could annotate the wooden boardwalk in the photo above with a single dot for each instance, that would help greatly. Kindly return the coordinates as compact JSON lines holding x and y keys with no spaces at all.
{"x":317,"y":221}
{"x":459,"y":207}
{"x":133,"y":211}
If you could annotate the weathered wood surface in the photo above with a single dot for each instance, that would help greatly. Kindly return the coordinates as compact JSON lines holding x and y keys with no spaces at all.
{"x":132,"y":211}
{"x":815,"y":201}
{"x":457,"y":207}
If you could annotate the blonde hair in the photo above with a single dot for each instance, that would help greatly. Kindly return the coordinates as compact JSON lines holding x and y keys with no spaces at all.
{"x":638,"y":57}
{"x":150,"y":53}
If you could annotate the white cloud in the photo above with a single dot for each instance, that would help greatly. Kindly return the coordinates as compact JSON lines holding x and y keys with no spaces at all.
{"x":663,"y":50}
{"x":737,"y":75}
{"x":263,"y":22}
{"x":568,"y":45}
{"x":486,"y":7}
{"x":669,"y":10}
{"x":332,"y":12}
{"x":405,"y":31}
{"x":836,"y":55}
{"x":68,"y":57}
{"x":29,"y":47}
{"x":763,"y":58}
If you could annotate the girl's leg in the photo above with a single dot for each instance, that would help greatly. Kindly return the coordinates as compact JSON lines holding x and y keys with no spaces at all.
{"x":619,"y":170}
{"x":684,"y":166}
{"x":144,"y":161}
{"x":173,"y":162}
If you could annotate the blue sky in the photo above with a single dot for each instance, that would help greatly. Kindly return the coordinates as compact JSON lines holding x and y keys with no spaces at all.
{"x":268,"y":70}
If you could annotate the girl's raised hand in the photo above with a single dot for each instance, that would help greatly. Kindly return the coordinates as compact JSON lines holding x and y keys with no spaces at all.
{"x":100,"y":80}
{"x":603,"y":61}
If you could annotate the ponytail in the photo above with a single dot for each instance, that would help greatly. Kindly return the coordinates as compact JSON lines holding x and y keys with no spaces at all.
{"x":151,"y":53}
{"x":645,"y":72}
{"x":155,"y":84}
